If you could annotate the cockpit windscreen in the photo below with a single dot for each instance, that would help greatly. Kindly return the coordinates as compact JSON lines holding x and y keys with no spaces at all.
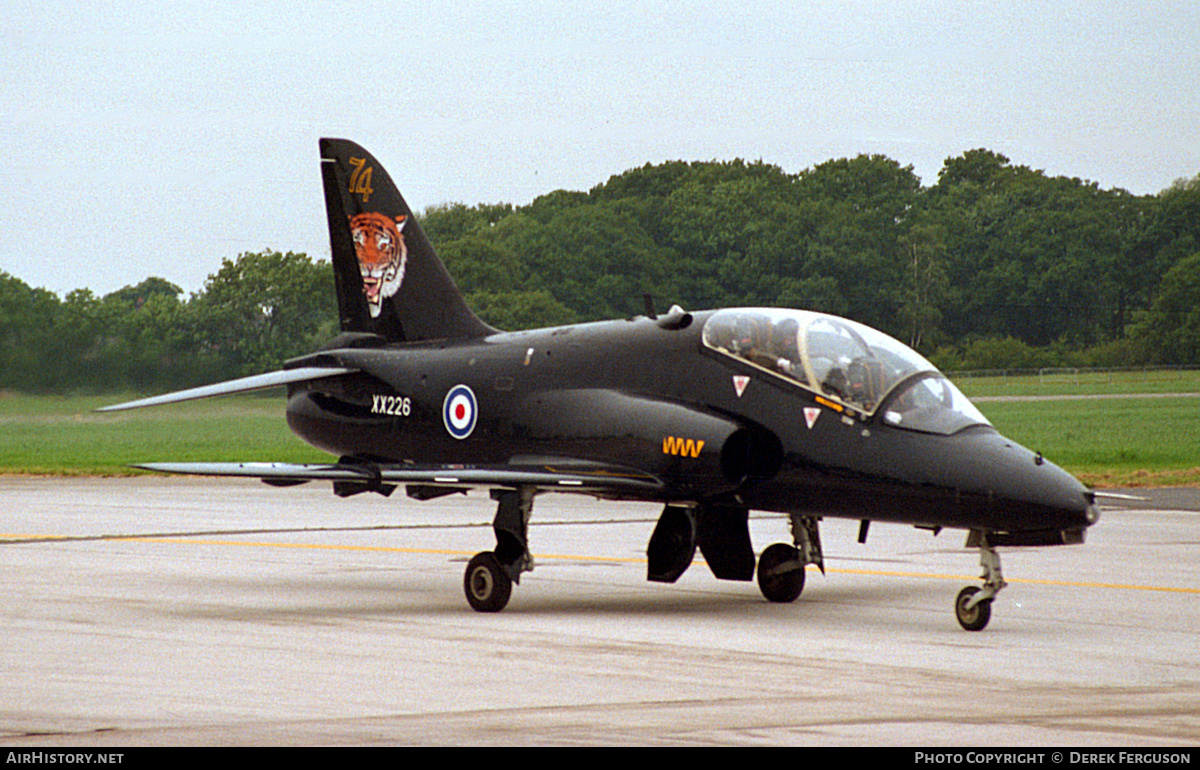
{"x":854,"y":364}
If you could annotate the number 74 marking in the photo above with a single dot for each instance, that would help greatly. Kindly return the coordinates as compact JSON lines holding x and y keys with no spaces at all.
{"x":360,"y":180}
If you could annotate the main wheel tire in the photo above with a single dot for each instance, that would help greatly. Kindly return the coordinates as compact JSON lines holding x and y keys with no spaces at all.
{"x":486,"y":583}
{"x":780,"y":573}
{"x":976,"y":618}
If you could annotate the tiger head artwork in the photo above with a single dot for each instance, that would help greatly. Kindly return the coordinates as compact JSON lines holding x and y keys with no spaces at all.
{"x":379,"y":245}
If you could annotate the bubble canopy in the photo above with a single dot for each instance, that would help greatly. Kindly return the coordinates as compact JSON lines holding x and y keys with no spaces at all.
{"x":847,"y":362}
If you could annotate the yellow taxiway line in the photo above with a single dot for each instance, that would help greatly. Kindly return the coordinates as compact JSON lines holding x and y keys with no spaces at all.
{"x":576,"y":557}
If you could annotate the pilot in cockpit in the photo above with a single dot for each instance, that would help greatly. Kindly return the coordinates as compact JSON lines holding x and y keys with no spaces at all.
{"x":785,"y":348}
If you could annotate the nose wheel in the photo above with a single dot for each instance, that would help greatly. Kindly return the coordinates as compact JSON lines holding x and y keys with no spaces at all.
{"x":972,"y":614}
{"x":973,"y":607}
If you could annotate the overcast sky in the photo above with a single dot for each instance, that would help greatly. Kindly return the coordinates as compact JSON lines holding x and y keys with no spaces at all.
{"x":151,"y":138}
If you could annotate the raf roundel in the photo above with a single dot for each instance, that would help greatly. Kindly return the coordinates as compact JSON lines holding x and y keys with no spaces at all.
{"x":459,"y":411}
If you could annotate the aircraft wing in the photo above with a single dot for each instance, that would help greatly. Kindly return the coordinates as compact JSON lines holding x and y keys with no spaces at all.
{"x":433,"y":480}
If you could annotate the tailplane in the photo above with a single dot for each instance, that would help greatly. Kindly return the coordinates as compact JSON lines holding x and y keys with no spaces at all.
{"x":389,"y":280}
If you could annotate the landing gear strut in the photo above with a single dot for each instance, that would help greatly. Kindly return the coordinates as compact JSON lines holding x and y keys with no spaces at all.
{"x":973,"y":607}
{"x":490,"y":575}
{"x":781,"y":566}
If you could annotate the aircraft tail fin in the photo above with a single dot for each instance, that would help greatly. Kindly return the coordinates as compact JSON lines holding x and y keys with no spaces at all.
{"x":389,"y":279}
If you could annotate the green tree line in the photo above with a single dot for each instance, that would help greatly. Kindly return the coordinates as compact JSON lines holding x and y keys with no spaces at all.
{"x":993,"y":266}
{"x":251,"y":315}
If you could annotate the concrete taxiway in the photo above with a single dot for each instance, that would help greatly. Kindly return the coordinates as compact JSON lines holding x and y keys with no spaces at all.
{"x":181,"y":611}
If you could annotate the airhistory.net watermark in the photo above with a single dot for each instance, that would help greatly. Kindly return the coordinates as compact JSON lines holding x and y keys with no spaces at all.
{"x":61,"y":758}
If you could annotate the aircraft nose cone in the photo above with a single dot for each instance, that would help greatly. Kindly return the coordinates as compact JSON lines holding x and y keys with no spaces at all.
{"x":1024,"y":491}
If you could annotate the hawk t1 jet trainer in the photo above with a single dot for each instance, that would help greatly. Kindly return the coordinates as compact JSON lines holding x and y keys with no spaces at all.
{"x":712,"y":414}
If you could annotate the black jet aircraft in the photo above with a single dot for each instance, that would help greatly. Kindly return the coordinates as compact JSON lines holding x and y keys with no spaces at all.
{"x":712,"y":414}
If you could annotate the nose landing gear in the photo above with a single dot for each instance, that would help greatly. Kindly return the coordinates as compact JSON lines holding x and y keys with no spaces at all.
{"x":973,"y":607}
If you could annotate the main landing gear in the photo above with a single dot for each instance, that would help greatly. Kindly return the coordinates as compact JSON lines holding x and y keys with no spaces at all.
{"x":719,"y":531}
{"x":781,"y":571}
{"x":973,"y":607}
{"x":490,"y":575}
{"x":781,"y":566}
{"x":487,"y":583}
{"x":722,"y":535}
